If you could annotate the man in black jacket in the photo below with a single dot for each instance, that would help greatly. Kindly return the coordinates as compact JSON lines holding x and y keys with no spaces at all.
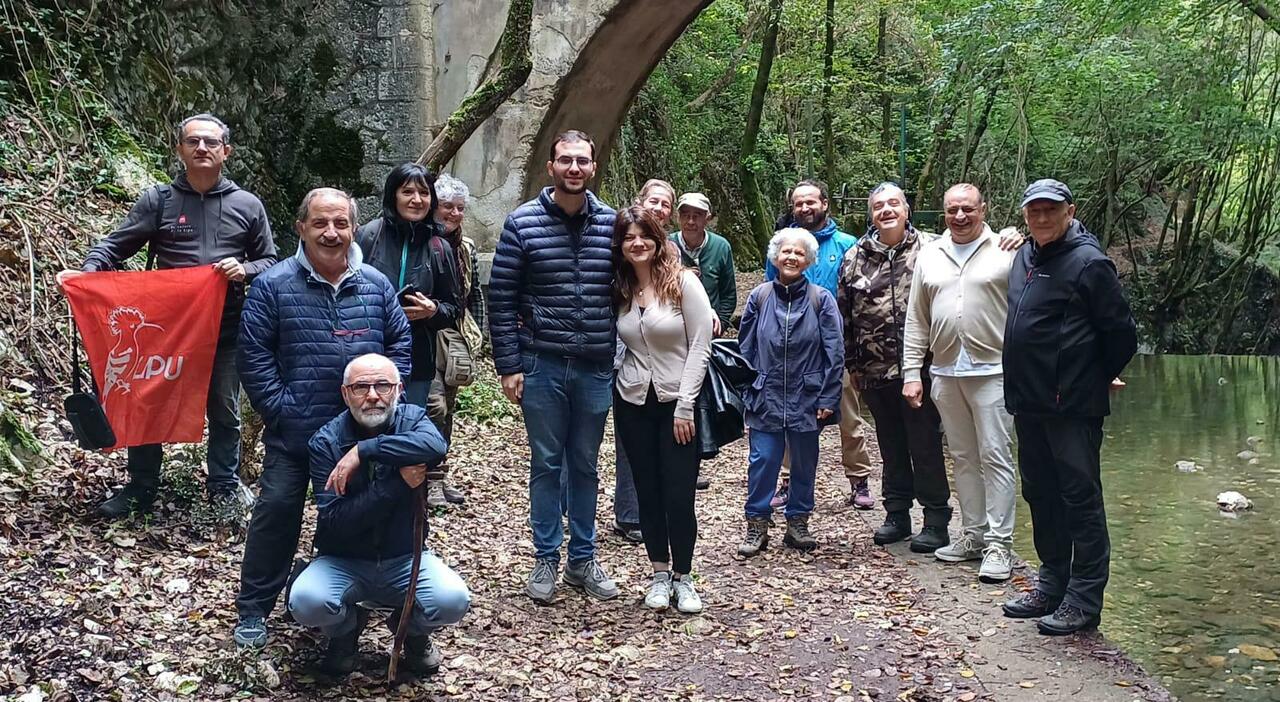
{"x":200,"y":219}
{"x":365,"y":465}
{"x":1068,"y":333}
{"x":551,"y":323}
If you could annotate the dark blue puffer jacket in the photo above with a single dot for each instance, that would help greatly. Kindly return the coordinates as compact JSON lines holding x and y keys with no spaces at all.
{"x":550,"y":289}
{"x":297,"y":335}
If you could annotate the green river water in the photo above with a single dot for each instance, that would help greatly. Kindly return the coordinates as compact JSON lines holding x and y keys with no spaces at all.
{"x":1194,"y":595}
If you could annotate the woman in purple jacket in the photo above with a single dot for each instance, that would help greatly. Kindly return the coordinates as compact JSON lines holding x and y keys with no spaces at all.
{"x":791,"y":334}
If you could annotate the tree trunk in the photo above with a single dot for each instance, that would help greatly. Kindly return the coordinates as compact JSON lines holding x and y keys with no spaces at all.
{"x":984,"y":120}
{"x":516,"y":63}
{"x":731,"y":69}
{"x":886,"y":99}
{"x":828,"y":76}
{"x":761,"y":227}
{"x":1264,"y":13}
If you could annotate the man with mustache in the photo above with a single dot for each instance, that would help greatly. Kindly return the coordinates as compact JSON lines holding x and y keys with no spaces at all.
{"x":365,"y":464}
{"x":810,"y":209}
{"x":551,"y":321}
{"x":304,"y":320}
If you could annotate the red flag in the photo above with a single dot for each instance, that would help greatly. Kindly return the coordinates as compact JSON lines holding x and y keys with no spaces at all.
{"x":151,"y":338}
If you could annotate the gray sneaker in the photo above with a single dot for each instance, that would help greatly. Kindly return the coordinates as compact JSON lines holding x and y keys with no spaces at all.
{"x":659,"y":594}
{"x":589,"y":576}
{"x":997,"y":564}
{"x":435,"y":495}
{"x":541,"y":587}
{"x":967,"y":548}
{"x":687,"y":600}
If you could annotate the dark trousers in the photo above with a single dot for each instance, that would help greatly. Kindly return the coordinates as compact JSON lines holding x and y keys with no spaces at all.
{"x":223,"y":412}
{"x":911,"y":450}
{"x":1062,"y":483}
{"x":665,"y":474}
{"x":273,"y":531}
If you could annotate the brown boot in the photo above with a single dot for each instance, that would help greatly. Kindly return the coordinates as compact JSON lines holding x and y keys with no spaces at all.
{"x":798,"y":536}
{"x":757,"y":538}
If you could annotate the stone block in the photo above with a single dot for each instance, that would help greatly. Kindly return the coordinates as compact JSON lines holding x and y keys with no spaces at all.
{"x":394,"y":21}
{"x":401,"y":85}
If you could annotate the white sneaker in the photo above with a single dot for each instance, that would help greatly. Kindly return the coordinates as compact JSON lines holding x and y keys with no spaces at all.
{"x":687,"y":600}
{"x":967,"y":548}
{"x":659,"y":596}
{"x":997,"y":564}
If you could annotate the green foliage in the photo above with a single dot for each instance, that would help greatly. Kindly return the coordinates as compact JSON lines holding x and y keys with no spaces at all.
{"x":483,"y":401}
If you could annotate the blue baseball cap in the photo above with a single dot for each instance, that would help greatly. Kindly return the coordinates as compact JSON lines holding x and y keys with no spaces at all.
{"x":1047,"y":189}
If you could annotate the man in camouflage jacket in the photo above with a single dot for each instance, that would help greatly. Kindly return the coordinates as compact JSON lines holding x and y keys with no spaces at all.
{"x":874,"y":286}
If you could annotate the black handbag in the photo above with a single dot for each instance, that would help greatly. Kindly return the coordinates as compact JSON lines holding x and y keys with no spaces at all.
{"x":720,"y":411}
{"x":83,"y":409}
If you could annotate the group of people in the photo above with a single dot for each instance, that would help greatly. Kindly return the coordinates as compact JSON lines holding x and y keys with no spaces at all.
{"x":591,"y":309}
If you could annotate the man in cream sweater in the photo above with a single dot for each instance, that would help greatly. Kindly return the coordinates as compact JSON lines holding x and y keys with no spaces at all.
{"x":957,"y":314}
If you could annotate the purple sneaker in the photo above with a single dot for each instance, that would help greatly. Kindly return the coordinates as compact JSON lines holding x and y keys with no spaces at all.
{"x":780,"y":498}
{"x":862,"y":494}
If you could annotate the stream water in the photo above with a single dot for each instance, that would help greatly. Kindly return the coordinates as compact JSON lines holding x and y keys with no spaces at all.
{"x":1194,"y":594}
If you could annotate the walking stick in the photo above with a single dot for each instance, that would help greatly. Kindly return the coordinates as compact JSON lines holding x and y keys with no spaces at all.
{"x":410,"y":594}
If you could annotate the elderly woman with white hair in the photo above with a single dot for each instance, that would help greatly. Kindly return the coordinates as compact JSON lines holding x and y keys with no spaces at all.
{"x":452,"y":196}
{"x":791,"y":334}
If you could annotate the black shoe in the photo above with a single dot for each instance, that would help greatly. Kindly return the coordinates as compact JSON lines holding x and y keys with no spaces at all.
{"x":1030,"y":605}
{"x":630,"y":532}
{"x":1067,"y":619}
{"x":896,"y":527}
{"x":703,"y":483}
{"x":129,"y":500}
{"x":930,"y":539}
{"x":343,"y":652}
{"x":421,"y":656}
{"x":798,"y":536}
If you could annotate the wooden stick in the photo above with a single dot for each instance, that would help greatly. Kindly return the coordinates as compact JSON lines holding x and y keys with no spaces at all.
{"x":410,"y":594}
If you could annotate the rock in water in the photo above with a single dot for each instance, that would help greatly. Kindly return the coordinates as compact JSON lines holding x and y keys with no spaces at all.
{"x":1246,"y":455}
{"x":1187,"y":466}
{"x":1232,"y":501}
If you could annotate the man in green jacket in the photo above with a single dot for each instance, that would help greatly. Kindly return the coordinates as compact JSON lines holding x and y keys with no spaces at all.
{"x":708,"y":254}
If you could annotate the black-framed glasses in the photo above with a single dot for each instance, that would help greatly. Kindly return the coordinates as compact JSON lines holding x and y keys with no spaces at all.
{"x":193,"y":142}
{"x":383,"y":388}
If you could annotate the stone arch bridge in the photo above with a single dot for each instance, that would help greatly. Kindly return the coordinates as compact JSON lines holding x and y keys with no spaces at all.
{"x":414,"y":61}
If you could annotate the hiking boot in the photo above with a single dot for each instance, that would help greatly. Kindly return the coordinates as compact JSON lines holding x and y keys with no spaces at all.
{"x":659,"y":595}
{"x":452,"y":494}
{"x":702,"y":483}
{"x":630,"y":532}
{"x":541,"y":587}
{"x":780,"y":497}
{"x":861,"y":497}
{"x":1030,"y":605}
{"x":968,"y":548}
{"x":930,"y":539}
{"x":687,"y":600}
{"x":421,"y":656}
{"x":589,"y":576}
{"x":435,"y":495}
{"x":131,"y":498}
{"x":250,"y":632}
{"x":343,"y":652}
{"x":997,"y":564}
{"x":798,"y":536}
{"x":896,"y":527}
{"x":757,"y":538}
{"x":1067,"y":619}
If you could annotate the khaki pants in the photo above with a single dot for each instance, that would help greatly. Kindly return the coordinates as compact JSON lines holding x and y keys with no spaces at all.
{"x":853,"y":436}
{"x":978,"y":435}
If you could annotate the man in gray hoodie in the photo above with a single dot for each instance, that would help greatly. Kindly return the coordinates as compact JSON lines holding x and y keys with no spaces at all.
{"x":200,"y":219}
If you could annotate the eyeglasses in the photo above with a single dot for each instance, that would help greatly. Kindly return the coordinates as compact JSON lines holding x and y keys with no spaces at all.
{"x":569,"y":161}
{"x":362,"y":389}
{"x":193,"y":142}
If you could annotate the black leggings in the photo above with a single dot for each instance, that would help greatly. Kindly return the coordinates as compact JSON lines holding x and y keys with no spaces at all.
{"x":666,"y":474}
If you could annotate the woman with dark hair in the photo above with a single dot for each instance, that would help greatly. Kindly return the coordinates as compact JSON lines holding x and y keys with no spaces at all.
{"x":405,"y":245}
{"x":664,"y":320}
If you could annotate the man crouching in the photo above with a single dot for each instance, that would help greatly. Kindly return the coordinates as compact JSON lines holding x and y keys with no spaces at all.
{"x":365,"y":464}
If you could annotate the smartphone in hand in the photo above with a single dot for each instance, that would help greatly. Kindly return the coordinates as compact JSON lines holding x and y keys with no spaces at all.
{"x":407,"y":291}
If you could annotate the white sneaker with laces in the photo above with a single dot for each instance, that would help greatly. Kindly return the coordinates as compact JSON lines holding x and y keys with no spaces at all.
{"x":997,"y":564}
{"x":967,"y":548}
{"x":687,"y":600}
{"x":659,"y":595}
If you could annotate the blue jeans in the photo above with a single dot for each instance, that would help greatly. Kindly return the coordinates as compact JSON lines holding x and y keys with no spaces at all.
{"x":326,"y":593}
{"x":565,"y":403}
{"x":766,"y":461}
{"x":626,"y":505}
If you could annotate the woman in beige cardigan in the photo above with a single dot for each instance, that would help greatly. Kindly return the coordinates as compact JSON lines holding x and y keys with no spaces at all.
{"x":664,"y":320}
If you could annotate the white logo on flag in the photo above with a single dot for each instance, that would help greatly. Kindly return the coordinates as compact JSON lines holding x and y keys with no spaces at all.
{"x":127,"y":360}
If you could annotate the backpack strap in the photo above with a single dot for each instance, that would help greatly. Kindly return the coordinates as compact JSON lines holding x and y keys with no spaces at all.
{"x":163,"y":191}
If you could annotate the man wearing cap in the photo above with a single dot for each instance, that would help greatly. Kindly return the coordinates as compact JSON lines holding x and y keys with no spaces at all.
{"x":709,"y":256}
{"x":1068,"y":333}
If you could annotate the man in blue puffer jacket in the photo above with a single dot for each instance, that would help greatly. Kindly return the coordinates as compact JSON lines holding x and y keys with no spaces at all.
{"x":303,"y":321}
{"x":551,"y":323}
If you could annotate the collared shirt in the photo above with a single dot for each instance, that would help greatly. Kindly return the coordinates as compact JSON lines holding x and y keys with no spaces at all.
{"x":354,"y":259}
{"x":690,"y":251}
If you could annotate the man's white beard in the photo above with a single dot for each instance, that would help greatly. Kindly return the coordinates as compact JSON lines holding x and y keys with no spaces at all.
{"x":376,"y":418}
